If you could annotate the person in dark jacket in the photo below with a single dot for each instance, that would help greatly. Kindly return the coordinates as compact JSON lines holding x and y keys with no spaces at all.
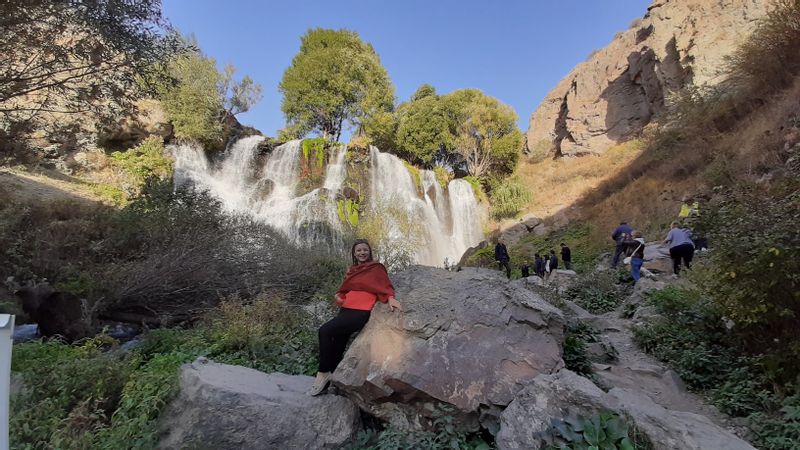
{"x":566,"y":256}
{"x":525,"y":269}
{"x":552,"y":263}
{"x":635,"y":246}
{"x":621,"y":234}
{"x":502,"y":258}
{"x":538,"y":265}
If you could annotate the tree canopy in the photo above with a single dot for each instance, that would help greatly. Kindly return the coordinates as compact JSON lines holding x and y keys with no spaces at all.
{"x":334,"y":79}
{"x":67,"y":56}
{"x":465,"y":127}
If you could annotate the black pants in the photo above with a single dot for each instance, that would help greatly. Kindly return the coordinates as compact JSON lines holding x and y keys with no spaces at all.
{"x":568,"y":265}
{"x":618,"y":251}
{"x":683,"y":252}
{"x":334,"y":334}
{"x":505,"y":264}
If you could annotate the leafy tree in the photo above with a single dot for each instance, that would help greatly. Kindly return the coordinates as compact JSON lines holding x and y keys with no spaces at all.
{"x":238,"y":96}
{"x":194,"y":104}
{"x":200,"y":99}
{"x":76,"y":56}
{"x":335,"y":79}
{"x":487,"y":137}
{"x":423,"y":126}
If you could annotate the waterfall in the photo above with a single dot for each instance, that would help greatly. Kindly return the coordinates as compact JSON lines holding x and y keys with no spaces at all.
{"x":267,"y":188}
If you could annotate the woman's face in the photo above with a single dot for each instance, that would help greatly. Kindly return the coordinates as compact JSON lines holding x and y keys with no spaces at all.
{"x":361,"y":252}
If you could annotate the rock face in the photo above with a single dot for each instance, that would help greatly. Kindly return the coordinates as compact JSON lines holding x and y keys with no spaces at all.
{"x":556,"y":396}
{"x":231,"y":407}
{"x":610,"y":98}
{"x":467,"y":339}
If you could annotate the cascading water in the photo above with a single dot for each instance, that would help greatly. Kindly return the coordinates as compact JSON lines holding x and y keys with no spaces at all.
{"x":268,"y":191}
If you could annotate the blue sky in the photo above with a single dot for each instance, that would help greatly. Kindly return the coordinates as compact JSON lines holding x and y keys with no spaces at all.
{"x":513,"y":50}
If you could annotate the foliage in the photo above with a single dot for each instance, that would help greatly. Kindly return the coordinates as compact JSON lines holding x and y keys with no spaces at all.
{"x":200,"y":99}
{"x":334,"y":79}
{"x":348,"y":211}
{"x":83,"y":396}
{"x":394,"y":232}
{"x":486,"y":135}
{"x":415,"y":175}
{"x":77,"y":56}
{"x":598,"y":292}
{"x":193,"y":103}
{"x":146,"y":160}
{"x":442,"y":436}
{"x":443,"y":176}
{"x":423,"y":126}
{"x":508,"y":197}
{"x":476,"y":186}
{"x":604,"y":430}
{"x":694,"y":338}
{"x":575,"y":357}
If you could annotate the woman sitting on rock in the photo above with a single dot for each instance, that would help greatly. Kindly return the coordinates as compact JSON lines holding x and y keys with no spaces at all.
{"x":366,"y":281}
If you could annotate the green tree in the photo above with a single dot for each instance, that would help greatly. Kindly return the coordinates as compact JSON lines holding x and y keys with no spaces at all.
{"x":423,"y":126}
{"x":486,"y":134}
{"x":194,"y":104}
{"x":335,"y":79}
{"x":200,"y":99}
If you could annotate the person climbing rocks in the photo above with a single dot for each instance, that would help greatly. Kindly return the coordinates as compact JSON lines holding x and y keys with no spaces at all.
{"x":502,"y":258}
{"x":681,"y":247}
{"x":525,"y":269}
{"x":620,"y":235}
{"x":538,"y":265}
{"x":635,"y":245}
{"x":688,"y":216}
{"x":566,"y":256}
{"x":365,"y":283}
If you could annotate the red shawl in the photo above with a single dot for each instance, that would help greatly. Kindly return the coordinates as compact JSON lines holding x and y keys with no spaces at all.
{"x":368,"y":277}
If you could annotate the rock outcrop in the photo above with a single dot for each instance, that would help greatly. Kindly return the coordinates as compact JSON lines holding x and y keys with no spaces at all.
{"x":466,"y":339}
{"x":611,"y":97}
{"x":551,"y":397}
{"x":231,"y":407}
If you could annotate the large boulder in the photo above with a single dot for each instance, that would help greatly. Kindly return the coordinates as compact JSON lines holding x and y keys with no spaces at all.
{"x":551,"y":397}
{"x":467,"y":339}
{"x":231,"y":407}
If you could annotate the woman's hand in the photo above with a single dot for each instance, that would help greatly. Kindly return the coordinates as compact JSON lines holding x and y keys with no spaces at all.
{"x":394,"y":304}
{"x":339,"y":300}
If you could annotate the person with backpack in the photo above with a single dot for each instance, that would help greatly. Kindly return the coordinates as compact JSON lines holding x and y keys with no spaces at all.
{"x":502,"y":257}
{"x":620,"y":235}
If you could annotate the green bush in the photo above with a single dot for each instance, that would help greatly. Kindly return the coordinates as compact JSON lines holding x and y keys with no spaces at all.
{"x":443,"y":436}
{"x":146,"y":160}
{"x":598,"y":292}
{"x":508,"y":197}
{"x":604,"y":430}
{"x":694,"y":337}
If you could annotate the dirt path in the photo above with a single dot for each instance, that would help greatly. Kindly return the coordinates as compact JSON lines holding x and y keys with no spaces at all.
{"x":45,"y":186}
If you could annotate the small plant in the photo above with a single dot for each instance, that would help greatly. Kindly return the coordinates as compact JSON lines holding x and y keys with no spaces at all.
{"x":443,"y":176}
{"x":508,"y":197}
{"x":575,"y":356}
{"x":604,"y":430}
{"x":348,"y":211}
{"x":598,"y":292}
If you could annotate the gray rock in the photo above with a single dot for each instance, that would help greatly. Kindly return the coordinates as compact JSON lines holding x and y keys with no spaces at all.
{"x":231,"y":407}
{"x":558,"y":395}
{"x":468,"y":339}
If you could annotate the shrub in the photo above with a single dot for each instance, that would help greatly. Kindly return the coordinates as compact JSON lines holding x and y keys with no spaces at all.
{"x":604,"y":430}
{"x":508,"y":198}
{"x":598,"y":292}
{"x":476,"y":187}
{"x":443,"y":176}
{"x":575,"y":356}
{"x":146,"y":160}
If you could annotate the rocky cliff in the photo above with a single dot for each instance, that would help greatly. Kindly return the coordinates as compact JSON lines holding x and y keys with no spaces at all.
{"x":619,"y":89}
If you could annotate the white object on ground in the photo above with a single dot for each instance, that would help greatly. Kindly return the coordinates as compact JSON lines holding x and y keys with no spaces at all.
{"x":6,"y":330}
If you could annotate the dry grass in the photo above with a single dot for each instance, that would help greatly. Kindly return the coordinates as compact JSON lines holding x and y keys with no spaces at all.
{"x":557,"y":184}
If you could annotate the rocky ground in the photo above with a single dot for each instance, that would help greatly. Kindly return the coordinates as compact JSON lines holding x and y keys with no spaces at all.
{"x":470,"y":342}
